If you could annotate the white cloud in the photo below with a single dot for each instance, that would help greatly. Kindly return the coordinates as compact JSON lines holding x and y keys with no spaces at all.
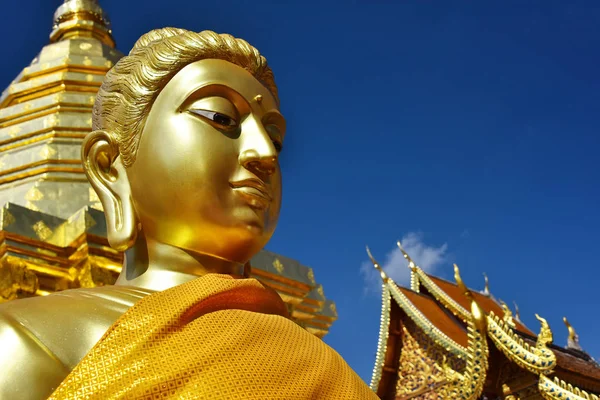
{"x":394,"y":264}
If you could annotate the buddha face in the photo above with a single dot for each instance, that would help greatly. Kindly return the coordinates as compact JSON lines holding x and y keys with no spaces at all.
{"x":206,"y":177}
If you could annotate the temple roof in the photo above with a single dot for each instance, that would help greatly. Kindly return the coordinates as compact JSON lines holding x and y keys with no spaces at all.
{"x":438,"y":316}
{"x":446,"y":313}
{"x":575,"y":363}
{"x":486,"y":302}
{"x":586,"y":369}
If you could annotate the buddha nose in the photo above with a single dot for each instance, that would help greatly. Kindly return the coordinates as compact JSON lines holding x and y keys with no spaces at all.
{"x":258,"y":154}
{"x":260,"y":164}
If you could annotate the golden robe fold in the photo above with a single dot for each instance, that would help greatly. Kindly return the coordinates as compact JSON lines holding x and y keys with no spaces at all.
{"x":214,"y":337}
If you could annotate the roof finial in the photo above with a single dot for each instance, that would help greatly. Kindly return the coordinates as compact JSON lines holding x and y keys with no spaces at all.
{"x":81,"y":18}
{"x":384,"y":276}
{"x":486,"y":289}
{"x":517,"y":315}
{"x":545,"y":336}
{"x":479,"y":317}
{"x":411,"y":263}
{"x":573,"y":340}
{"x":508,"y":316}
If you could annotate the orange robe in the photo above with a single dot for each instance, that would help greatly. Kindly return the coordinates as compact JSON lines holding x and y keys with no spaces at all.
{"x":215,"y":337}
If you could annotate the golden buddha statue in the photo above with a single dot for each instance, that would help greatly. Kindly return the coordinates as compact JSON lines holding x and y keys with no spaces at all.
{"x":184,"y":157}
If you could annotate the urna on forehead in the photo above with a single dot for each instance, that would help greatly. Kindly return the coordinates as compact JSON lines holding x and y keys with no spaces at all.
{"x":133,"y":83}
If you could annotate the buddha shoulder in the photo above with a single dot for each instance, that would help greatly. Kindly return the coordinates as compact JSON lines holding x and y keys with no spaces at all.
{"x":42,"y":339}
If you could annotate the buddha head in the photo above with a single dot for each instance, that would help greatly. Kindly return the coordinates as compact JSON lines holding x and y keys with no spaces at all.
{"x":185,"y":143}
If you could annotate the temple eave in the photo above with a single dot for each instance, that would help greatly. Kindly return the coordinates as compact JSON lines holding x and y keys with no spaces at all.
{"x":519,"y":360}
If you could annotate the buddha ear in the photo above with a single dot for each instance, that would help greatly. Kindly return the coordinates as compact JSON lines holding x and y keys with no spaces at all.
{"x":106,"y":173}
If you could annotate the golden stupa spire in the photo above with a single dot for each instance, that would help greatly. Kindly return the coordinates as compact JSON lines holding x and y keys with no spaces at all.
{"x":46,"y":111}
{"x":81,"y":18}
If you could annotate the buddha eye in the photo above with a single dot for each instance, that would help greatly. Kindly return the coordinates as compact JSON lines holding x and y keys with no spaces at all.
{"x":217,"y":118}
{"x":275,"y":135}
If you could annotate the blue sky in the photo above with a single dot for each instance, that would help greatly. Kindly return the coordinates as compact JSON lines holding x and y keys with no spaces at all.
{"x":470,"y":130}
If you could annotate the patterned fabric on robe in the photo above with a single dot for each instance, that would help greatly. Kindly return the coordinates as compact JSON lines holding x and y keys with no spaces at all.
{"x":214,"y":337}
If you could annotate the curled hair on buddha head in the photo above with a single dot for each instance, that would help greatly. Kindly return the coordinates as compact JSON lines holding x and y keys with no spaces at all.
{"x":131,"y":86}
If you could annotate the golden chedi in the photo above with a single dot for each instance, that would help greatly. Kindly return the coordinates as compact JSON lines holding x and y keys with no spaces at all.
{"x":184,"y":158}
{"x":45,"y":114}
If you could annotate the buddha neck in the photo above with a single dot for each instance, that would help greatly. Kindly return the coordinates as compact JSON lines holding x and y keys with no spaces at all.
{"x":157,"y":266}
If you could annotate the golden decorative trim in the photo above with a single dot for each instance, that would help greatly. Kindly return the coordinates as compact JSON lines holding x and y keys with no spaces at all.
{"x":415,"y":283}
{"x":48,"y":151}
{"x":311,"y":276}
{"x":300,"y":287}
{"x":320,"y":290}
{"x":7,"y":218}
{"x":469,"y":384}
{"x":508,"y":316}
{"x":415,"y":314}
{"x":55,"y":87}
{"x":561,"y":390}
{"x":414,"y":279}
{"x":384,"y":332}
{"x":104,"y":263}
{"x":34,"y":194}
{"x":40,"y":171}
{"x":34,"y":164}
{"x":15,"y":279}
{"x":41,"y":135}
{"x":310,"y":310}
{"x":32,"y":206}
{"x":422,"y":322}
{"x":333,"y":308}
{"x":42,"y":230}
{"x":282,"y":288}
{"x":539,"y":359}
{"x":420,"y":365}
{"x":30,"y":242}
{"x":441,"y":296}
{"x":69,"y":66}
{"x":278,"y":265}
{"x":45,"y":270}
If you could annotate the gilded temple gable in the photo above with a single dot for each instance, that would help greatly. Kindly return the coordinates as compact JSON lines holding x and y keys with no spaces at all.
{"x":436,"y":314}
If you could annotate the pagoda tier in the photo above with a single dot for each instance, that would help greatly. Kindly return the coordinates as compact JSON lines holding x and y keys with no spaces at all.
{"x":47,"y":110}
{"x":425,"y":340}
{"x":53,"y":232}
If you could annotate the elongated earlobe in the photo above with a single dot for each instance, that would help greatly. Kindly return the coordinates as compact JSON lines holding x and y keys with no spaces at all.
{"x":107,"y":175}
